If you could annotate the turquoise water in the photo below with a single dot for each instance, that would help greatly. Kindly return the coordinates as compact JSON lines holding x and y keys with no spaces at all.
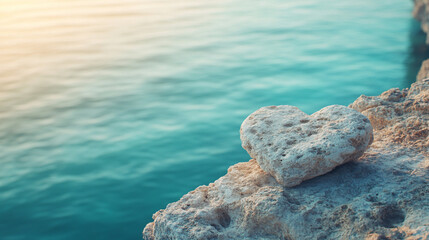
{"x":109,"y":109}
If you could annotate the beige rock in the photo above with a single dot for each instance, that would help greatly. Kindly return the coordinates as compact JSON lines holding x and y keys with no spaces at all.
{"x":403,"y":115}
{"x":293,"y":146}
{"x":382,"y":195}
{"x":424,"y":71}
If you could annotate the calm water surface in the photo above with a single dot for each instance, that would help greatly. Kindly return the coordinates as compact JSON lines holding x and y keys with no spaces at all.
{"x":109,"y":109}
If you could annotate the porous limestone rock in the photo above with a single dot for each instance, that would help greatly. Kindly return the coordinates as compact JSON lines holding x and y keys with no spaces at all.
{"x":382,"y":195}
{"x":293,"y":146}
{"x":403,"y":115}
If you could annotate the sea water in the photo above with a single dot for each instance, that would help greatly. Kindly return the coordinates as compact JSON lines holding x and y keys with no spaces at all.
{"x":109,"y":110}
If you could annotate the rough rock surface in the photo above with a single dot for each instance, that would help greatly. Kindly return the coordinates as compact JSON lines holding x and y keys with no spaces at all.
{"x":421,"y":13}
{"x":293,"y":146}
{"x":382,"y":195}
{"x":403,"y":115}
{"x":424,"y":71}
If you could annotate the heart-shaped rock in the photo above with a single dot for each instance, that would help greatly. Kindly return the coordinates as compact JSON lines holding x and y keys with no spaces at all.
{"x":293,"y":146}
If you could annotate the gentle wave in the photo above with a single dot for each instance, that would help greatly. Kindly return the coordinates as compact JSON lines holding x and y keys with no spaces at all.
{"x":110,"y":110}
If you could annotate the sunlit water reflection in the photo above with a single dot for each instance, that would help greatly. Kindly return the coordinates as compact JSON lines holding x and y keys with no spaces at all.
{"x":109,"y":110}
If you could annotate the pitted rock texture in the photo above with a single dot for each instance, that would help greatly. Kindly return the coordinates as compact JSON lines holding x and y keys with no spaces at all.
{"x":211,"y":212}
{"x":403,"y":115}
{"x":293,"y":146}
{"x":355,"y":200}
{"x":382,"y":195}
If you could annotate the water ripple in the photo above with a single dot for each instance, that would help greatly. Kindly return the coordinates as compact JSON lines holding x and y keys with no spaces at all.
{"x":110,"y":110}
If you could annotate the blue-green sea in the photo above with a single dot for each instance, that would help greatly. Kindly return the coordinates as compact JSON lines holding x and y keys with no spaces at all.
{"x":109,"y":110}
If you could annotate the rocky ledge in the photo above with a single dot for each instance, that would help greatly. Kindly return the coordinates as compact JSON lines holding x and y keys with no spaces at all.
{"x":374,"y":193}
{"x":384,"y":194}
